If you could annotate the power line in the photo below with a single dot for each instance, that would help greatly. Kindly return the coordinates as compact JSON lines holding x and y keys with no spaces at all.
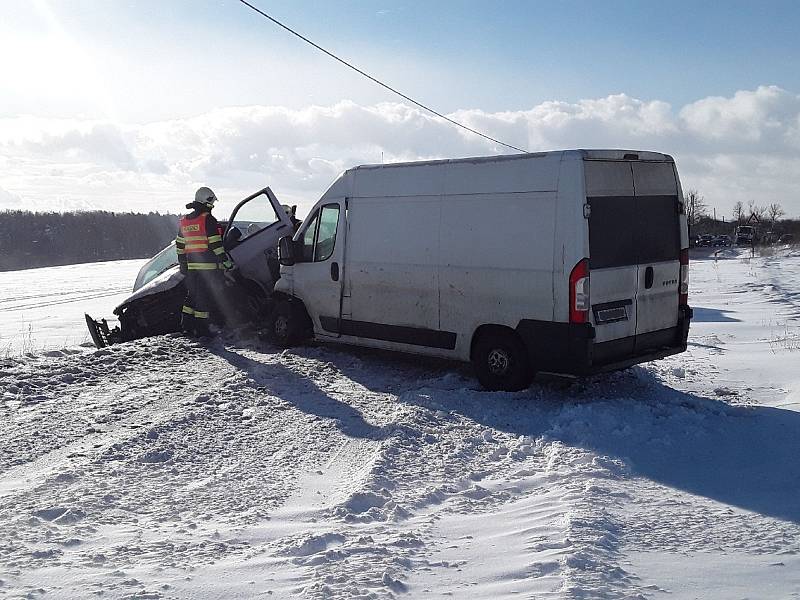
{"x":380,"y":83}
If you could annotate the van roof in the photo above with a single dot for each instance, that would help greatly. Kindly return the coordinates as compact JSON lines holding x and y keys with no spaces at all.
{"x":578,"y":154}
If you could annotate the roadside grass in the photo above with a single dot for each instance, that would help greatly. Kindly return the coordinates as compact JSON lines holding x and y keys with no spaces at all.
{"x":25,"y":344}
{"x":787,"y":340}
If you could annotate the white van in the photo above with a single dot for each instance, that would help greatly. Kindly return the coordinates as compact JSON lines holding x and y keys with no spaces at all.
{"x":571,"y":262}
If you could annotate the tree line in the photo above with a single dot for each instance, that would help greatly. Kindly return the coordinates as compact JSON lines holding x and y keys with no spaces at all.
{"x":44,"y":239}
{"x":768,"y":216}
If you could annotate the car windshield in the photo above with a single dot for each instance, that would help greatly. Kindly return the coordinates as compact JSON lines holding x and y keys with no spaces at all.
{"x":154,"y":267}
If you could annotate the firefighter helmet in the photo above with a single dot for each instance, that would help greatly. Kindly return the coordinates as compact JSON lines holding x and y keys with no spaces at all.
{"x":205,"y":196}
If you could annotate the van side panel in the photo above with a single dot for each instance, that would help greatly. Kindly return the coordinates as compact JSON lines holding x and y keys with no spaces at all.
{"x":392,"y":262}
{"x":525,"y":173}
{"x":498,"y":226}
{"x":571,"y":238}
{"x":496,"y":261}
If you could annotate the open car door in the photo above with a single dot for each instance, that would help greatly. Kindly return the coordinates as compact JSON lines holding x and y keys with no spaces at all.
{"x":251,"y":238}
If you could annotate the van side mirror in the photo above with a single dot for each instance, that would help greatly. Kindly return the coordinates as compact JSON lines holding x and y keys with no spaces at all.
{"x":286,"y":251}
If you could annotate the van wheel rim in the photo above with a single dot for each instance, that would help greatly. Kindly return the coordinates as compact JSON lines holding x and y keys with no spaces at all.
{"x":499,"y":361}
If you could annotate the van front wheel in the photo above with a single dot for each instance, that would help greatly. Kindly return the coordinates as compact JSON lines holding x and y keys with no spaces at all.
{"x":288,"y":324}
{"x":501,"y":362}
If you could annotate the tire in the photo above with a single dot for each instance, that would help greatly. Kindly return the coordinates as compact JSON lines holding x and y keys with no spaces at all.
{"x":501,"y":362}
{"x":289,"y":324}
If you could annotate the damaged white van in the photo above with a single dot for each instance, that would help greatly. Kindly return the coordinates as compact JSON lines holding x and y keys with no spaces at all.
{"x":569,"y":262}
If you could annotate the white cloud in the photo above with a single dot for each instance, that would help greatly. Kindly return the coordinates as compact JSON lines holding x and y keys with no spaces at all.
{"x":763,"y":115}
{"x":739,"y":148}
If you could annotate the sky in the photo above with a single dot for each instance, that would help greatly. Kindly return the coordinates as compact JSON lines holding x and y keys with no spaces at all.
{"x":131,"y":105}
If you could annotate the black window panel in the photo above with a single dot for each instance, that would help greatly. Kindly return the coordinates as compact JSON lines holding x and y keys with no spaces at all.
{"x":627,"y":230}
{"x":612,"y":223}
{"x":658,"y":231}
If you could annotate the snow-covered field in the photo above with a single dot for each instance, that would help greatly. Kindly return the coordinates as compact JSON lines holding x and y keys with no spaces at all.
{"x":42,"y":309}
{"x":163,"y":468}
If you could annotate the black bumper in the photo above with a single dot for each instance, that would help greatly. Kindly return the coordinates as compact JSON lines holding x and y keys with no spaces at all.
{"x":570,"y":347}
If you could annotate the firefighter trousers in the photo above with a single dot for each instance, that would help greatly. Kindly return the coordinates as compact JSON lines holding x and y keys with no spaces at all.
{"x":204,"y":296}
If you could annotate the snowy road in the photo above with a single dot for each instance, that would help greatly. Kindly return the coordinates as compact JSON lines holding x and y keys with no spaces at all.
{"x":42,"y":309}
{"x":162,"y":468}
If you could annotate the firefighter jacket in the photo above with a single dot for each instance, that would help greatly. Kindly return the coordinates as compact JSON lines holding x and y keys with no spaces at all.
{"x":199,"y":244}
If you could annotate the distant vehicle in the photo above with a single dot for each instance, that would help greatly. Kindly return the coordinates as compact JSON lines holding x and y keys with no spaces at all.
{"x":786,"y":238}
{"x":489,"y":260}
{"x":770,"y":238}
{"x":745,"y":235}
{"x":251,"y":240}
{"x":722,"y":240}
{"x":705,"y":239}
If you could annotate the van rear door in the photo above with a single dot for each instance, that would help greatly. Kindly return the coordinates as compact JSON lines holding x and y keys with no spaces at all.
{"x":658,"y":245}
{"x":634,"y":248}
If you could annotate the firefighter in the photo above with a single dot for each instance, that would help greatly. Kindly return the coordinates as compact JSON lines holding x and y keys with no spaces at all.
{"x":203,"y":262}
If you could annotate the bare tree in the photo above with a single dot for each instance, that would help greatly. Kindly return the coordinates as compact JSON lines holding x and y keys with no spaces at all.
{"x":695,"y":206}
{"x":775,"y":212}
{"x":738,"y":211}
{"x":759,"y":212}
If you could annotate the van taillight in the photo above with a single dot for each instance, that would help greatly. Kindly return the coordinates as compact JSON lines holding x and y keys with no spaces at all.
{"x":579,"y":292}
{"x":683,"y":288}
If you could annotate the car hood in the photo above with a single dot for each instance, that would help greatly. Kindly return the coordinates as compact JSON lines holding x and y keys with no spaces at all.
{"x":167,"y":280}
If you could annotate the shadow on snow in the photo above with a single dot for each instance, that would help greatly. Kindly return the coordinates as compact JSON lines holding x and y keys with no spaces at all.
{"x":743,"y":456}
{"x":712,"y":315}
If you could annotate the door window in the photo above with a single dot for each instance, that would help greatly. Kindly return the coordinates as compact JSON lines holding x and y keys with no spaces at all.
{"x":326,"y":236}
{"x":254,"y":216}
{"x":319,"y":238}
{"x":307,"y":253}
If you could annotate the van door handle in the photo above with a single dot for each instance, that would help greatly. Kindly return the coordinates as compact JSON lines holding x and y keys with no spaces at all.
{"x":648,"y":278}
{"x":335,"y":271}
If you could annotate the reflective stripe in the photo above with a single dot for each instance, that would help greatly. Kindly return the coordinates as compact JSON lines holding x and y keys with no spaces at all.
{"x":214,"y":238}
{"x":180,"y":250}
{"x":226,"y":264}
{"x":188,"y":310}
{"x":219,"y":251}
{"x":179,"y":240}
{"x":202,"y":266}
{"x":200,"y":314}
{"x":194,"y":247}
{"x":196,"y":238}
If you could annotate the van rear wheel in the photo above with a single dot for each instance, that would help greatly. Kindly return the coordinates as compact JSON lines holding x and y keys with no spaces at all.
{"x":501,"y":362}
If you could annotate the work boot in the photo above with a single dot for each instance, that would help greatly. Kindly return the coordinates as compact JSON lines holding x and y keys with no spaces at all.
{"x":187,"y":324}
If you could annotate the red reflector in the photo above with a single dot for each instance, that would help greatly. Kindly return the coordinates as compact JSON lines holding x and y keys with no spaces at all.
{"x":579,"y":292}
